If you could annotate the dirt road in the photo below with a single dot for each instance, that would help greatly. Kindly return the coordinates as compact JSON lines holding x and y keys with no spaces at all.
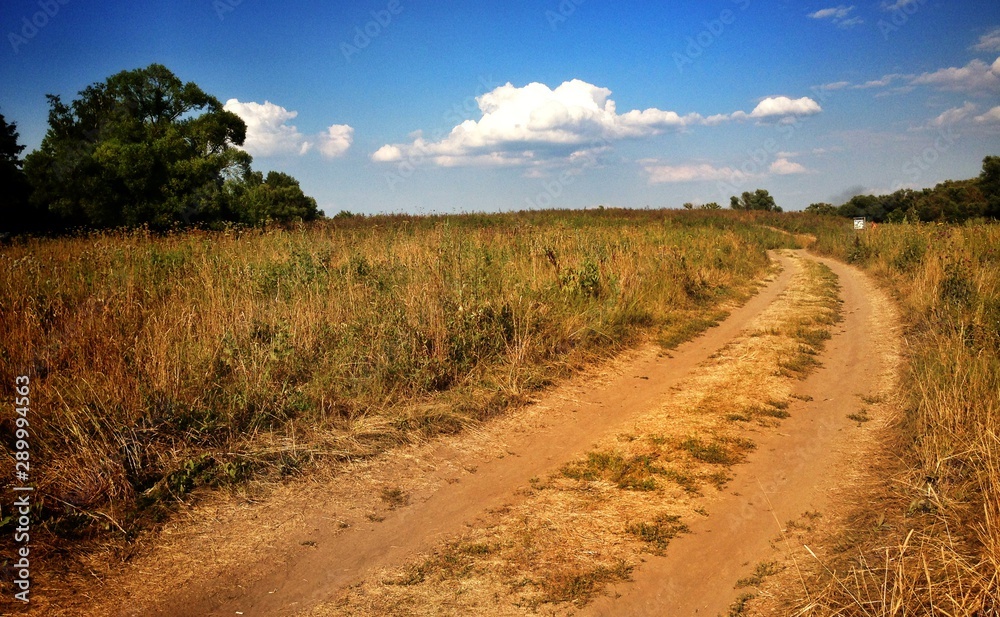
{"x":792,"y":472}
{"x":305,"y":546}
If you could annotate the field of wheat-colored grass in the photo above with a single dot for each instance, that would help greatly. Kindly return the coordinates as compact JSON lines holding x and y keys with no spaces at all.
{"x":162,"y":364}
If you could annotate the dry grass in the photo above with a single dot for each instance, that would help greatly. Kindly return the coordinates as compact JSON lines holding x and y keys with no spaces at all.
{"x":587,"y":526}
{"x":937,"y":549}
{"x":164,"y":365}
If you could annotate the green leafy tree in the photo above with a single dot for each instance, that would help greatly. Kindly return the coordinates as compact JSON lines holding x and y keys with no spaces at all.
{"x":141,"y":148}
{"x":712,"y":205}
{"x":758,"y":200}
{"x":255,"y":200}
{"x":822,"y":208}
{"x":868,"y":206}
{"x":15,"y":213}
{"x":989,"y":184}
{"x":953,"y":202}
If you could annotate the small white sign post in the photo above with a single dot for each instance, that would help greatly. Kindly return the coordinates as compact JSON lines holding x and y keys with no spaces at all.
{"x":859,"y":223}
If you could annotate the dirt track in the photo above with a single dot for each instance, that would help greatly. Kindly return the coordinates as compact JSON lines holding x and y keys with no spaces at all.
{"x":792,"y":472}
{"x":333,"y":542}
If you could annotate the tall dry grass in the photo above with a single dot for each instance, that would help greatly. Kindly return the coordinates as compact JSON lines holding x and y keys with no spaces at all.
{"x":161,"y":364}
{"x":940,"y":553}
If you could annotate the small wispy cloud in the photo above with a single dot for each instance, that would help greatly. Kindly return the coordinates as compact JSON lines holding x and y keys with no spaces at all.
{"x":884,"y":81}
{"x":898,"y":5}
{"x":953,"y":116}
{"x":992,"y":117}
{"x":785,"y":167}
{"x":837,"y":12}
{"x":974,"y":76}
{"x":989,"y":41}
{"x":837,"y":85}
{"x":665,"y":174}
{"x":839,"y":15}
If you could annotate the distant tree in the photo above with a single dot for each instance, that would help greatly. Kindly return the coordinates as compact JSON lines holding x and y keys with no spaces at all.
{"x":758,"y":200}
{"x":15,"y":214}
{"x":897,"y":204}
{"x":989,"y":184}
{"x":689,"y":206}
{"x":712,"y":205}
{"x":868,"y":206}
{"x":822,"y":208}
{"x":951,"y":201}
{"x":140,"y":148}
{"x":255,"y":200}
{"x":954,"y":201}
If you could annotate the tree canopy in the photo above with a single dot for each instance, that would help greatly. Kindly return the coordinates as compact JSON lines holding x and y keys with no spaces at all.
{"x":822,"y":208}
{"x":276,"y":198}
{"x":145,"y":148}
{"x":14,"y":196}
{"x":952,"y":201}
{"x":989,"y":185}
{"x":758,"y":200}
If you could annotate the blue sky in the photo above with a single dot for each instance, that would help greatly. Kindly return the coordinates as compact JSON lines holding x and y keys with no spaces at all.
{"x":419,"y":106}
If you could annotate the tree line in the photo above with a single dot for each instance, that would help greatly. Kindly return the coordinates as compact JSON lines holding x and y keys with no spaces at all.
{"x":758,"y":200}
{"x":141,"y":148}
{"x":952,"y":201}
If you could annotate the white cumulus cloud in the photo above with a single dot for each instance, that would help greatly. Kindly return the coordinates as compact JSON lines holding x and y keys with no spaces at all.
{"x":270,"y":132}
{"x":388,"y":154}
{"x":519,"y":125}
{"x":336,"y":141}
{"x":782,"y":106}
{"x":574,"y":121}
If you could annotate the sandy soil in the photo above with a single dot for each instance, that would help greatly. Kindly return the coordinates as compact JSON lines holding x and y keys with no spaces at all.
{"x":301,"y":545}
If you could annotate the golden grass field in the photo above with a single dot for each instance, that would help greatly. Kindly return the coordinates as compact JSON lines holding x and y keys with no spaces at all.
{"x":163,"y":366}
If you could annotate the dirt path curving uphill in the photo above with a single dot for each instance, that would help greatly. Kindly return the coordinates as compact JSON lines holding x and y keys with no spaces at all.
{"x":793,"y":472}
